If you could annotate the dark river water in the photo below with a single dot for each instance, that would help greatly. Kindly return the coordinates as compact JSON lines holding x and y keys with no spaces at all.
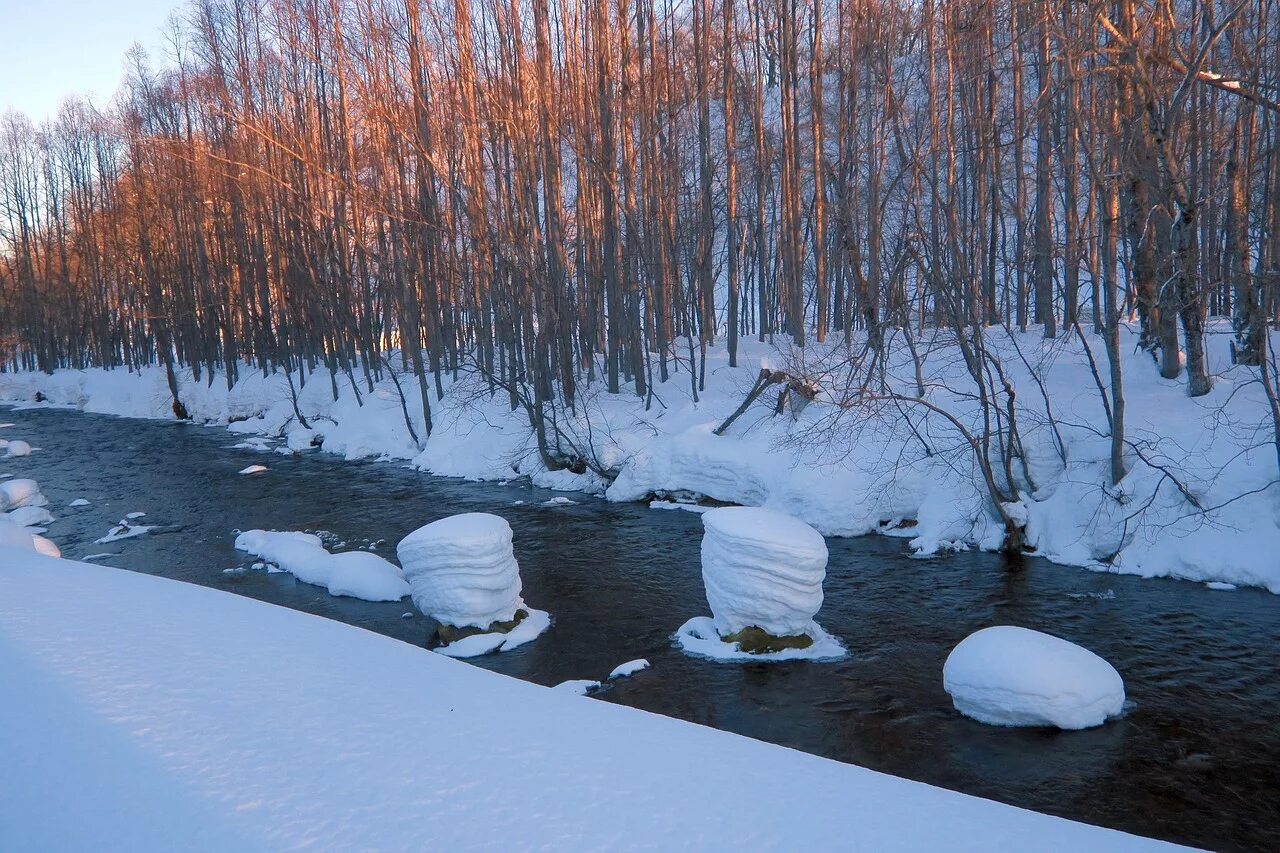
{"x":1195,"y":759}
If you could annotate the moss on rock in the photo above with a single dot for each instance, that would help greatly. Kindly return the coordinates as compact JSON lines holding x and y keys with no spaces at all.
{"x":757,"y":641}
{"x":446,"y":635}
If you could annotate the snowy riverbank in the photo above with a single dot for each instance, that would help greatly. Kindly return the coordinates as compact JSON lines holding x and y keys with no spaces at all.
{"x":908,"y":474}
{"x":159,"y":715}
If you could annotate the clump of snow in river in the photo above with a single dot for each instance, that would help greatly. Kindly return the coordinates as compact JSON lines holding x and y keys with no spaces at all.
{"x":124,"y":529}
{"x":463,"y":573}
{"x":19,"y":493}
{"x":17,"y":447}
{"x":357,"y":574}
{"x":762,"y":569}
{"x":254,"y":469}
{"x":79,"y":502}
{"x":629,"y":668}
{"x":1009,"y":676}
{"x":462,"y":570}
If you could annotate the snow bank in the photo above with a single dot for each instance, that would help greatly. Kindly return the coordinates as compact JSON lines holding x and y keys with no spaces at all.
{"x":357,"y":574}
{"x":462,"y":570}
{"x":1008,"y":676}
{"x":762,"y":569}
{"x":843,"y":474}
{"x":152,"y":719}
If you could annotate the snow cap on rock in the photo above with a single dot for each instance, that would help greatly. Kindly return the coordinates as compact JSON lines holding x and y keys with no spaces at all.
{"x":762,"y":569}
{"x":462,"y":570}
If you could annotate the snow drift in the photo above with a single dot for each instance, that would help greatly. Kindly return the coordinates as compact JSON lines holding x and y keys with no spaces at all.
{"x":357,"y":574}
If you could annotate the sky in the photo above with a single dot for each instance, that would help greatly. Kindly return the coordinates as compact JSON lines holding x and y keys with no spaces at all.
{"x":50,"y":49}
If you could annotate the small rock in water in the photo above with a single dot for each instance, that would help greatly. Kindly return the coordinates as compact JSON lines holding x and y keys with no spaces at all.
{"x":135,"y":515}
{"x":1221,"y":585}
{"x":631,"y":667}
{"x":254,"y":469}
{"x":406,"y":615}
{"x":79,"y":502}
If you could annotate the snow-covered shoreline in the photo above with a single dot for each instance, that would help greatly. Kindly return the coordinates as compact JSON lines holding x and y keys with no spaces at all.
{"x":844,"y":476}
{"x":157,"y":714}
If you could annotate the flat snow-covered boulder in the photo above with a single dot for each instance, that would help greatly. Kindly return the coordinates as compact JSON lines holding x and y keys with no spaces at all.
{"x":462,"y":570}
{"x":762,"y":569}
{"x":1009,"y":676}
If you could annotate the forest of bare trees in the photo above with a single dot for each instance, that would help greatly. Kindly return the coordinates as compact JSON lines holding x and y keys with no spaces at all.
{"x":554,"y":194}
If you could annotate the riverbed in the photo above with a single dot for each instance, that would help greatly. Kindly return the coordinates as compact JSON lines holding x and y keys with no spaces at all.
{"x":1195,"y":758}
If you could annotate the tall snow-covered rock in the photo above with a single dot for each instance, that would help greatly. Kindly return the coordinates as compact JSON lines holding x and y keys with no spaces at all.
{"x":19,"y":493}
{"x":1009,"y":676}
{"x":462,"y":570}
{"x":762,"y":569}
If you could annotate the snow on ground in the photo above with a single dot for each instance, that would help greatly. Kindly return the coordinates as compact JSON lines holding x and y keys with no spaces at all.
{"x":357,"y":574}
{"x":629,"y":668}
{"x":159,"y":715}
{"x":844,"y":474}
{"x":1010,"y":676}
{"x":462,"y":570}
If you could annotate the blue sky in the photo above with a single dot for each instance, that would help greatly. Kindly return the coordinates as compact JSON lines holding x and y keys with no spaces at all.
{"x":53,"y":48}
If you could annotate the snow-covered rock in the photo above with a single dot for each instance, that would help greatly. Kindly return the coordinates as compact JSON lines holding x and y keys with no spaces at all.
{"x":18,"y":447}
{"x":462,"y":570}
{"x":1009,"y":676}
{"x":762,"y":569}
{"x":578,"y":686}
{"x":19,"y":493}
{"x":254,"y":469}
{"x":29,"y":516}
{"x":629,"y":668}
{"x":79,"y":502}
{"x":357,"y":574}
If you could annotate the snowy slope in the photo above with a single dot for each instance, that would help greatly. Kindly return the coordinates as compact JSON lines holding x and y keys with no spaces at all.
{"x":153,"y":714}
{"x":844,"y":473}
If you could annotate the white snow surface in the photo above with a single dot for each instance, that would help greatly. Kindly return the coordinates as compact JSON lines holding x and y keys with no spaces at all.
{"x":159,"y":715}
{"x":762,"y":568}
{"x":462,"y":570}
{"x":1011,"y":676}
{"x":357,"y":574}
{"x":847,"y":475}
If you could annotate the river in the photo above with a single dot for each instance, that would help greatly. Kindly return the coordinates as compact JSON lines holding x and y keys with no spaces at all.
{"x":1195,"y":758}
